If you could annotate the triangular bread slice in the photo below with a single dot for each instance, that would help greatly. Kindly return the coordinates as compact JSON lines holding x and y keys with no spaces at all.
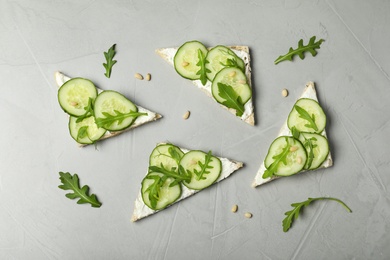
{"x":142,"y":211}
{"x":243,"y":52}
{"x":309,"y":92}
{"x":61,"y":78}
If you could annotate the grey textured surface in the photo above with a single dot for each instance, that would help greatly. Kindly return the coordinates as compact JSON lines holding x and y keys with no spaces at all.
{"x":351,"y":72}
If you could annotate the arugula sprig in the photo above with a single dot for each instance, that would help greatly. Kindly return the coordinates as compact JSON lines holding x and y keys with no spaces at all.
{"x":203,"y":70}
{"x":279,"y":158}
{"x":305,"y":115}
{"x":297,"y":207}
{"x":310,"y":47}
{"x":88,"y":111}
{"x":70,"y":182}
{"x":109,"y":55}
{"x":232,"y":99}
{"x":204,"y":167}
{"x":310,"y":145}
{"x":180,"y":175}
{"x":109,"y":119}
{"x":230,"y":62}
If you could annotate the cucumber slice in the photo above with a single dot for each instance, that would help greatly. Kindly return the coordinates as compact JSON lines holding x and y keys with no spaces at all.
{"x":311,"y":119}
{"x":320,"y":147}
{"x":295,"y":159}
{"x":74,"y":96}
{"x":166,"y":154}
{"x":220,"y":57}
{"x":235,"y":78}
{"x":86,"y":131}
{"x":186,"y":58}
{"x":112,"y":102}
{"x":167,"y":193}
{"x":205,"y":169}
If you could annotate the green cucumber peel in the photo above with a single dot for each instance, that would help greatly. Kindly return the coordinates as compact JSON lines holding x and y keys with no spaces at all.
{"x":310,"y":47}
{"x":70,"y":182}
{"x":294,"y":213}
{"x":282,"y":157}
{"x":203,"y":70}
{"x":232,"y":100}
{"x":109,"y":119}
{"x":305,"y":115}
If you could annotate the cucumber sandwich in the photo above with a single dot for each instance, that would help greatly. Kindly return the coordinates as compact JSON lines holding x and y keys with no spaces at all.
{"x":176,"y":173}
{"x":95,"y":114}
{"x":302,"y":143}
{"x":222,"y":72}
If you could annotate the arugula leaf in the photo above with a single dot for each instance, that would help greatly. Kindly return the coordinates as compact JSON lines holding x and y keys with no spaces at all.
{"x":109,"y":119}
{"x":155,"y":188}
{"x":70,"y":182}
{"x":175,"y":155}
{"x":88,"y":109}
{"x":282,"y":157}
{"x":230,"y":62}
{"x":232,"y":100}
{"x":109,"y":55}
{"x":305,"y":115}
{"x":82,"y":133}
{"x":181,"y":176}
{"x":203,"y":70}
{"x":204,"y":167}
{"x":295,"y":132}
{"x":308,"y":143}
{"x":294,"y":213}
{"x":310,"y":47}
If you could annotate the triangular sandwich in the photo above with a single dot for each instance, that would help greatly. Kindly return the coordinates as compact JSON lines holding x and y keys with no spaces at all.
{"x":95,"y":114}
{"x":176,"y":173}
{"x":302,"y":143}
{"x":222,"y":72}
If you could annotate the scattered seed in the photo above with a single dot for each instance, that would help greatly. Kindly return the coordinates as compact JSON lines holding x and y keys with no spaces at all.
{"x":248,"y":215}
{"x":138,"y":76}
{"x":232,"y":74}
{"x":299,"y":159}
{"x":293,"y":148}
{"x":241,"y":81}
{"x":186,"y":115}
{"x":185,"y":64}
{"x":234,"y":208}
{"x":74,"y":103}
{"x":284,"y":92}
{"x":148,"y":77}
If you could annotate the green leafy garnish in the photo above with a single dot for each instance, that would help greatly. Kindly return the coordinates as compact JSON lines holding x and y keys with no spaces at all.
{"x":294,"y":213}
{"x":109,"y":55}
{"x":155,"y":188}
{"x":230,"y":62}
{"x":295,"y":132}
{"x":179,"y":176}
{"x":204,"y":167}
{"x":310,"y":145}
{"x":70,"y":182}
{"x":310,"y":47}
{"x":305,"y":115}
{"x":282,"y":157}
{"x":82,"y":133}
{"x":175,"y":155}
{"x":203,"y":70}
{"x":232,"y":99}
{"x":109,"y":119}
{"x":88,"y":111}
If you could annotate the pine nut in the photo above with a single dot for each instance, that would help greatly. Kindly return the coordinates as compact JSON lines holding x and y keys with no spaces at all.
{"x":234,"y":208}
{"x":293,"y":148}
{"x":185,"y":64}
{"x":284,"y":92}
{"x":138,"y":76}
{"x":248,"y":215}
{"x":299,"y":159}
{"x":186,"y":115}
{"x":148,"y":77}
{"x":74,"y":103}
{"x":232,"y":74}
